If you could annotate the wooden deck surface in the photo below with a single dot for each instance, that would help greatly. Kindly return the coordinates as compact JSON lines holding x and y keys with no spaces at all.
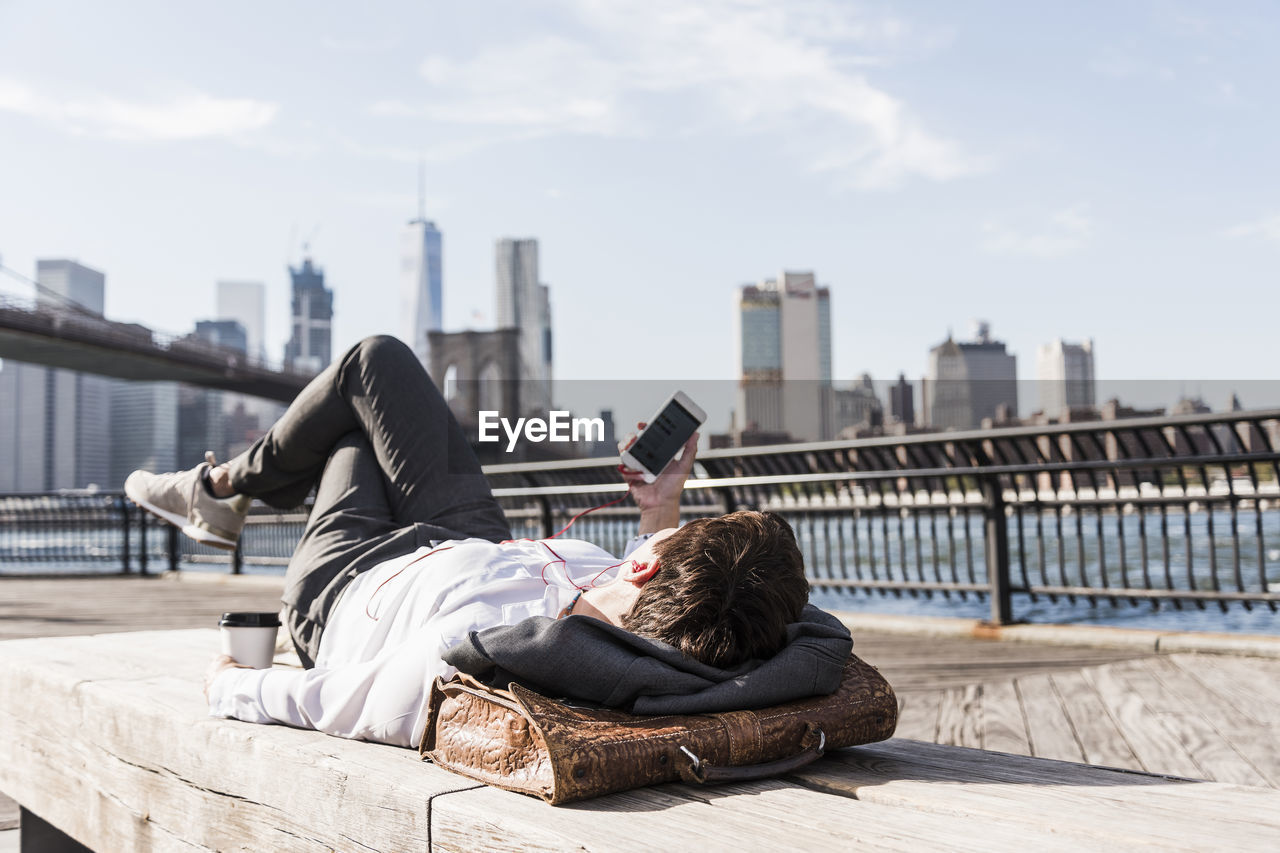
{"x":1211,"y":717}
{"x":1197,"y":716}
{"x":66,"y":606}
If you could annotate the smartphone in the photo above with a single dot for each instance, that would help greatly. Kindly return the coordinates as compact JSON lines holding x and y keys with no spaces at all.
{"x":666,"y":432}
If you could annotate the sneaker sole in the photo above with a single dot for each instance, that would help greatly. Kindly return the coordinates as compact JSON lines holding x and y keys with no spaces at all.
{"x":199,"y":534}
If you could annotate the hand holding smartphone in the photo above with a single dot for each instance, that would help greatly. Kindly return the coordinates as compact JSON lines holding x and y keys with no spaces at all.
{"x":666,"y":432}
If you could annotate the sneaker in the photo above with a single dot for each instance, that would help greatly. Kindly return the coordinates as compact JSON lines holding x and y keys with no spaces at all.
{"x":182,"y":500}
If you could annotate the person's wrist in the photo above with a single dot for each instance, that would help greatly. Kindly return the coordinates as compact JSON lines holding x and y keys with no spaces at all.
{"x":660,"y":517}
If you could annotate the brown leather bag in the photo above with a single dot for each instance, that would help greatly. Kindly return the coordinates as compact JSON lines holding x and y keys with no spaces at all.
{"x":522,"y":741}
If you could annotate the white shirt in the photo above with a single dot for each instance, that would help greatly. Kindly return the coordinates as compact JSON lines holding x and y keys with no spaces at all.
{"x":383,"y":645}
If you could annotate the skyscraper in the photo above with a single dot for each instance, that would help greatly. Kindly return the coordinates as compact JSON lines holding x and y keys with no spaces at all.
{"x":62,"y":282}
{"x":421,"y":285}
{"x":53,"y":431}
{"x":245,"y":302}
{"x":308,"y":349}
{"x":902,"y":406}
{"x":524,"y":303}
{"x":201,"y":411}
{"x":784,"y":347}
{"x":1064,"y":373}
{"x":967,"y":381}
{"x":144,"y":429}
{"x":23,"y":418}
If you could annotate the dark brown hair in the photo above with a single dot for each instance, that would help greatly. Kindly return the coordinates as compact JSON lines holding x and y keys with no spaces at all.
{"x":725,"y":590}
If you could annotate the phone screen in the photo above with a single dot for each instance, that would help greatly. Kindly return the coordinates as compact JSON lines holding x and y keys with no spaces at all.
{"x":663,"y":438}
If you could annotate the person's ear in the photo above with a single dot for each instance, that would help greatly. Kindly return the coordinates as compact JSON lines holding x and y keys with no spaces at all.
{"x":640,"y":573}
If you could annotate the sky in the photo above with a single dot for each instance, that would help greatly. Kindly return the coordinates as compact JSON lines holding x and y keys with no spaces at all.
{"x":1100,"y":170}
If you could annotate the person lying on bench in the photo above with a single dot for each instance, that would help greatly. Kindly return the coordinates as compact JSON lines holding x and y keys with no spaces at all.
{"x":406,"y":571}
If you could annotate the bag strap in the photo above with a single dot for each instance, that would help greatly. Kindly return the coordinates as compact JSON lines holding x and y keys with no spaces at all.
{"x":811,"y":748}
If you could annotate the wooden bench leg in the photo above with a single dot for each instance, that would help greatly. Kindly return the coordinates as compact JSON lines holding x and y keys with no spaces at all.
{"x":39,"y":836}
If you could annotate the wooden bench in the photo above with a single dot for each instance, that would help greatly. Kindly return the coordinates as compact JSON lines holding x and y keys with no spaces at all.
{"x":107,"y":739}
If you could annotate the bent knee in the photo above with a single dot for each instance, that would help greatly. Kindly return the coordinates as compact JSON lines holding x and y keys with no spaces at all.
{"x":380,"y":348}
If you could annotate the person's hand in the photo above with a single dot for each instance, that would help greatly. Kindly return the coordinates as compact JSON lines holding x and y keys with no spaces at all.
{"x":663,"y":494}
{"x":216,"y":667}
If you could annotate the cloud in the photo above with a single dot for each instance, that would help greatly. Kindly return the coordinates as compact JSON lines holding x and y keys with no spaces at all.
{"x":1067,"y":231}
{"x":191,"y":116}
{"x":1267,"y":228}
{"x":669,"y":67}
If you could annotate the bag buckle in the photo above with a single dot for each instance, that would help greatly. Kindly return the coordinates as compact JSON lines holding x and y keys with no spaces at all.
{"x":813,"y":745}
{"x":695,"y":763}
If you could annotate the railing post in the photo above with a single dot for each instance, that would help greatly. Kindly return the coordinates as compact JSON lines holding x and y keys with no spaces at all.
{"x":997,"y":548}
{"x":548,"y":522}
{"x":124,"y":550}
{"x":142,"y":541}
{"x":173,"y":547}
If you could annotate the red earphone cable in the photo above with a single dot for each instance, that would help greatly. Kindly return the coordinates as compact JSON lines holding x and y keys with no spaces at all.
{"x":558,"y":558}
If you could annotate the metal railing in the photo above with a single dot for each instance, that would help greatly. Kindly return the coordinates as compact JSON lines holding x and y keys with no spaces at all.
{"x":1180,"y":511}
{"x":96,"y":532}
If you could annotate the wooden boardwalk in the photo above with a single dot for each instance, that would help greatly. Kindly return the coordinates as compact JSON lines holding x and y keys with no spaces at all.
{"x":63,"y":606}
{"x":1200,"y":716}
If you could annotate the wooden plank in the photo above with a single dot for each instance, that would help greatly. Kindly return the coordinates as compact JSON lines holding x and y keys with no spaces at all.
{"x":1003,"y":727}
{"x":912,"y":663}
{"x":1258,"y":743}
{"x":1097,"y":733}
{"x":1189,"y":725}
{"x":1156,"y":749}
{"x":1129,"y":810}
{"x":767,"y":815}
{"x":918,"y":714}
{"x":960,"y":716}
{"x":1048,"y":728}
{"x":1246,"y":683}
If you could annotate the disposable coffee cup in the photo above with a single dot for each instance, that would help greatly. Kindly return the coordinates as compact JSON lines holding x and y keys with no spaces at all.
{"x":250,"y":638}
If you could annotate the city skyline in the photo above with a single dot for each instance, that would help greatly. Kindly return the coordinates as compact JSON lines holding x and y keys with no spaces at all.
{"x":240,"y":303}
{"x":934,"y":164}
{"x":51,"y":439}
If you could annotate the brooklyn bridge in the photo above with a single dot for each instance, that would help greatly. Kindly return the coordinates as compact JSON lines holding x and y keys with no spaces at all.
{"x":74,"y":338}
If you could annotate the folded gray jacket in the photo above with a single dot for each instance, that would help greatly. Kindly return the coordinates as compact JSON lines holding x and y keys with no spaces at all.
{"x":584,"y":659}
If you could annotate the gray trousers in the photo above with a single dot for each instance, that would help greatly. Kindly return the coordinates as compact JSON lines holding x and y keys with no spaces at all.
{"x":392,"y":472}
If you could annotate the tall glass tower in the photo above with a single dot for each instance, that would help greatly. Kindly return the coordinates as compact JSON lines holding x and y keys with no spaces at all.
{"x":421,"y":286}
{"x":784,"y":347}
